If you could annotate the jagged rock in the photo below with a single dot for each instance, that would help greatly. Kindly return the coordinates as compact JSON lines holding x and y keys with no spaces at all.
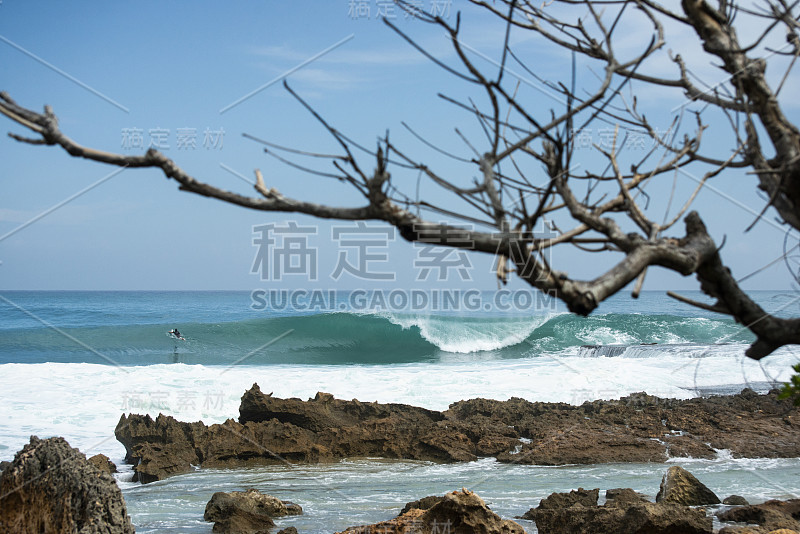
{"x":292,"y":508}
{"x":324,"y":411}
{"x":408,"y":523}
{"x":422,"y":504}
{"x":158,"y":447}
{"x":637,"y":428}
{"x":458,"y":512}
{"x":679,"y":486}
{"x":748,"y":424}
{"x":288,"y":530}
{"x":464,"y":512}
{"x":652,"y":518}
{"x":687,"y":447}
{"x":624,"y":496}
{"x":103,"y":463}
{"x":4,"y":465}
{"x":51,"y":488}
{"x":626,"y":512}
{"x":735,"y":500}
{"x":587,"y":446}
{"x":273,"y":430}
{"x":559,"y":501}
{"x":246,"y":512}
{"x":769,"y":516}
{"x":579,"y":496}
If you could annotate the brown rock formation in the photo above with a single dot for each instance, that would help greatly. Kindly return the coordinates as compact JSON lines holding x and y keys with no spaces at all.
{"x":51,"y":488}
{"x":422,"y":504}
{"x":641,"y":427}
{"x":272,"y":430}
{"x":559,"y":501}
{"x":458,"y":512}
{"x":103,"y":463}
{"x":620,"y":496}
{"x":638,"y":428}
{"x":767,"y":517}
{"x":735,"y":500}
{"x":246,"y":512}
{"x":679,"y":486}
{"x":625,"y":512}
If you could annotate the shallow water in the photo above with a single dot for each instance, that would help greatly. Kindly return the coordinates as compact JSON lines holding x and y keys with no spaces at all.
{"x":355,"y":492}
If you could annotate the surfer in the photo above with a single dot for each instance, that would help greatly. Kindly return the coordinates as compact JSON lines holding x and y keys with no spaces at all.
{"x":175,"y":333}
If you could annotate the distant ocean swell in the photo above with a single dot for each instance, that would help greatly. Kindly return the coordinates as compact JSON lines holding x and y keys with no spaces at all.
{"x":369,"y":338}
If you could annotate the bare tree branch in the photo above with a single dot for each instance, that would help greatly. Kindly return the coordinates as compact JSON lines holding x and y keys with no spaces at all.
{"x":526,"y":172}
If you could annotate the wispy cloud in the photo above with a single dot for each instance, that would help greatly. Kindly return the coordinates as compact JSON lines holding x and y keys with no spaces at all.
{"x":351,"y":66}
{"x":328,"y":78}
{"x":395,"y":56}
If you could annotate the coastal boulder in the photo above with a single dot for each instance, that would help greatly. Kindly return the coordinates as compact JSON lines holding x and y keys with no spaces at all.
{"x":466,"y":513}
{"x":422,"y":504}
{"x":51,"y":488}
{"x":624,"y":496}
{"x":103,"y":463}
{"x":679,"y":486}
{"x":735,"y":500}
{"x":562,"y":501}
{"x":625,"y":512}
{"x":769,"y":516}
{"x":158,"y":447}
{"x":458,"y":512}
{"x":246,"y":512}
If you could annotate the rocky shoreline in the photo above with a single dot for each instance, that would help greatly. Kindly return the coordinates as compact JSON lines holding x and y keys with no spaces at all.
{"x":637,"y":428}
{"x":50,"y":487}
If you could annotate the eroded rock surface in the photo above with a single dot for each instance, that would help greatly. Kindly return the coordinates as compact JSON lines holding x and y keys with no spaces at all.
{"x":764,"y":518}
{"x":458,"y":512}
{"x":637,"y":428}
{"x":246,"y":512}
{"x":103,"y":463}
{"x":625,"y":512}
{"x":679,"y":486}
{"x":51,"y":488}
{"x":735,"y":500}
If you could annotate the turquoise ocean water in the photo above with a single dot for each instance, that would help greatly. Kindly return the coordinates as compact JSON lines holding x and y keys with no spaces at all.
{"x":72,"y":362}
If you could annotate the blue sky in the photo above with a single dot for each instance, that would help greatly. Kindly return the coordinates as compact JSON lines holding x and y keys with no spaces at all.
{"x":174,"y":66}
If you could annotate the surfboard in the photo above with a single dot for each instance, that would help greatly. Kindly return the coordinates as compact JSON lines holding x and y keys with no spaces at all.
{"x":173,"y":336}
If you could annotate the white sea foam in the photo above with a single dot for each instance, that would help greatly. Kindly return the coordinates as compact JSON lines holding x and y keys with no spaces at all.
{"x":603,"y":335}
{"x":83,"y":402}
{"x":466,"y":336}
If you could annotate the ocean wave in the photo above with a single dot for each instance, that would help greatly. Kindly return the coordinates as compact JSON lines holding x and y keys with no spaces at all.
{"x":369,"y":338}
{"x":469,"y":334}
